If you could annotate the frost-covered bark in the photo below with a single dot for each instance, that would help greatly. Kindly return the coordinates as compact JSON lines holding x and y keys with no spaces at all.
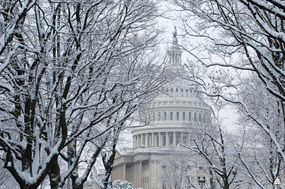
{"x":108,"y":157}
{"x":67,"y":67}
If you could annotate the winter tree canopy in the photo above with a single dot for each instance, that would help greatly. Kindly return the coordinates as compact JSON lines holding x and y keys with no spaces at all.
{"x":246,"y":36}
{"x":70,"y":73}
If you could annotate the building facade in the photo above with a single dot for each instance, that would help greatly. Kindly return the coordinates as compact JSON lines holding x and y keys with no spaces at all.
{"x":157,"y":147}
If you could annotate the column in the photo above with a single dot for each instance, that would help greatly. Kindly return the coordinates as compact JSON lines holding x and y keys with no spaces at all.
{"x":160,"y":139}
{"x":142,"y":140}
{"x":139,"y":174}
{"x":135,"y":174}
{"x":146,"y":139}
{"x":157,"y":139}
{"x":116,"y":173}
{"x":124,"y":177}
{"x":152,"y":139}
{"x":174,"y":139}
{"x":138,"y":140}
{"x":134,"y":141}
{"x":167,"y":138}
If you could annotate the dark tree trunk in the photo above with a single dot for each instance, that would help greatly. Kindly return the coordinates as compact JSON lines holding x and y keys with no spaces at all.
{"x":75,"y":186}
{"x":226,"y":183}
{"x":28,"y":187}
{"x":108,"y":164}
{"x":54,"y":174}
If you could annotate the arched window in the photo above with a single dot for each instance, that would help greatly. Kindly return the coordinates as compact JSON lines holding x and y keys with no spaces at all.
{"x":165,"y":116}
{"x":177,"y":115}
{"x":171,"y":115}
{"x":189,"y":116}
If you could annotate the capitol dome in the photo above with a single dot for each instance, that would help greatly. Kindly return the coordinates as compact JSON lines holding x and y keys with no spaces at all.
{"x":176,"y":110}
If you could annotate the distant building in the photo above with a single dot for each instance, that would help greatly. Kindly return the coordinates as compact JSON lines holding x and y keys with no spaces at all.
{"x":152,"y":162}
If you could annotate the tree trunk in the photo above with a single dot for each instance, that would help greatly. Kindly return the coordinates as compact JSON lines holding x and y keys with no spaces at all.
{"x":211,"y":179}
{"x":226,"y":183}
{"x":108,"y":164}
{"x":28,"y":187}
{"x":75,"y":186}
{"x":54,"y":174}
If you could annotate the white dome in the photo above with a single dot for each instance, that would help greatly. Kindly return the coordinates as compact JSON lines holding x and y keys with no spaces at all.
{"x":171,"y":114}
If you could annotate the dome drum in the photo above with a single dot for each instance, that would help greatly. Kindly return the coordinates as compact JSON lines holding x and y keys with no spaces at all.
{"x":162,"y":138}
